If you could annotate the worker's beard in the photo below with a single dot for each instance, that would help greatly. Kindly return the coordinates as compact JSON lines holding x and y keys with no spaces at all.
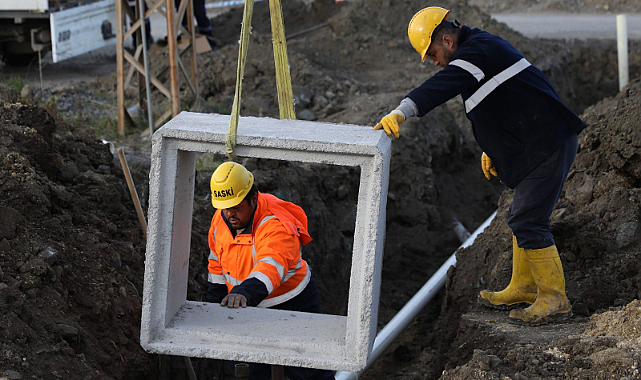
{"x":447,"y":56}
{"x":237,"y":223}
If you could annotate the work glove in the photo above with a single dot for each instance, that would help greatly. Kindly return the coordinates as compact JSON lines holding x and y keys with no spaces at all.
{"x":488,"y":166}
{"x":391,"y":123}
{"x":234,"y":300}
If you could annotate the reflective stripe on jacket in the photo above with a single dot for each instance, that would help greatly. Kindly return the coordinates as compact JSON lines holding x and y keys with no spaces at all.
{"x":517,"y":117}
{"x":271,"y":253}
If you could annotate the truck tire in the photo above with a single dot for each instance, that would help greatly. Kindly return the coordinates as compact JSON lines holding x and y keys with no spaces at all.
{"x":18,"y":59}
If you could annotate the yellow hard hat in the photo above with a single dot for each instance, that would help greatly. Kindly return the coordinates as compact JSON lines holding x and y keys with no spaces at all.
{"x":422,"y":26}
{"x":229,"y":184}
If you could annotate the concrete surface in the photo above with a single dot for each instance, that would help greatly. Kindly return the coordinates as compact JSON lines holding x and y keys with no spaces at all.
{"x":172,"y":325}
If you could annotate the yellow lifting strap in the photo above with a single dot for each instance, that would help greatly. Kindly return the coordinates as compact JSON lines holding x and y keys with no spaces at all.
{"x":283,"y":78}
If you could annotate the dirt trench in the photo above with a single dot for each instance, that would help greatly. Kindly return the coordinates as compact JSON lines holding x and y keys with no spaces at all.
{"x":72,"y":252}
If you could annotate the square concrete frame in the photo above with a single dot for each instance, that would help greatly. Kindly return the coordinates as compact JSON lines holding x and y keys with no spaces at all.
{"x":175,"y":326}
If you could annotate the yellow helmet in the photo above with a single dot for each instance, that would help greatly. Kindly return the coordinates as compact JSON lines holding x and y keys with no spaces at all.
{"x":229,"y":184}
{"x":422,"y":26}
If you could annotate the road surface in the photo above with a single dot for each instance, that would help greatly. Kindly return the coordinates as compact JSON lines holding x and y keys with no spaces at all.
{"x":102,"y":62}
{"x":570,"y":26}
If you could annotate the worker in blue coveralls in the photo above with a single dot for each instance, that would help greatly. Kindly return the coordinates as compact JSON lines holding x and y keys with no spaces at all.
{"x":529,"y":140}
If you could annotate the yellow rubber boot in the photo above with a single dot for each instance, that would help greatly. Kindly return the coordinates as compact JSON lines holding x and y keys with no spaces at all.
{"x":551,"y":305}
{"x":520,"y":292}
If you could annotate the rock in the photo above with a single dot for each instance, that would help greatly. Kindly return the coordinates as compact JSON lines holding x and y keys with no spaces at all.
{"x":485,"y":361}
{"x":104,"y":169}
{"x":331,"y":109}
{"x":302,"y":96}
{"x":49,"y":255}
{"x":84,"y":300}
{"x":256,"y":105}
{"x":559,"y":214}
{"x":8,"y":94}
{"x":5,"y":247}
{"x":11,"y":219}
{"x":627,"y":233}
{"x":579,"y":189}
{"x":70,"y":171}
{"x":12,"y":375}
{"x":319,"y":102}
{"x":26,"y":91}
{"x":520,"y":376}
{"x":68,"y":332}
{"x":35,"y":266}
{"x":307,"y":115}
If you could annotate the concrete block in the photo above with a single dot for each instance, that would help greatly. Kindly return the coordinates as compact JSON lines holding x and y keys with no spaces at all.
{"x":174,"y":326}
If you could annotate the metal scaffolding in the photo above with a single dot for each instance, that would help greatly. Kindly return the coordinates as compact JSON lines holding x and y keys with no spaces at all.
{"x":139,"y":62}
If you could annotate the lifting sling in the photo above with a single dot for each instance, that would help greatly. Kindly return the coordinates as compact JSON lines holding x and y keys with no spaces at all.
{"x":283,"y":78}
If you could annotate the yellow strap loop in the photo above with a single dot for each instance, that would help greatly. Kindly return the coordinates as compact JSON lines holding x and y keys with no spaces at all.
{"x":283,"y":78}
{"x":245,"y":31}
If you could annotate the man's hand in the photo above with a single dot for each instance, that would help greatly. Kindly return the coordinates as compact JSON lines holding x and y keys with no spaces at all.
{"x":391,"y":123}
{"x":234,"y":300}
{"x":488,"y":166}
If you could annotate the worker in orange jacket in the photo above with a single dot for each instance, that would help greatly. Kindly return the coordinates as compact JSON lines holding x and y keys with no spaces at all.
{"x":255,"y":258}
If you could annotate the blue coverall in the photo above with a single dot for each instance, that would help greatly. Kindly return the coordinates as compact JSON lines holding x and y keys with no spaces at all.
{"x":518,"y":120}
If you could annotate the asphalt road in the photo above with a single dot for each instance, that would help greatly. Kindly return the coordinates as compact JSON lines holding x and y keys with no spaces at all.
{"x":102,"y":62}
{"x":570,"y":26}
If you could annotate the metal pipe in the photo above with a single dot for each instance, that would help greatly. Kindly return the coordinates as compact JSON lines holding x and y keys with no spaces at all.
{"x":459,"y":229}
{"x":171,"y":54}
{"x":120,"y":68}
{"x":143,"y":30}
{"x":407,"y":314}
{"x":622,"y":48}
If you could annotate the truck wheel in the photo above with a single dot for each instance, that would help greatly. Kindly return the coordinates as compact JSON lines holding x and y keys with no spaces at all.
{"x":18,"y":59}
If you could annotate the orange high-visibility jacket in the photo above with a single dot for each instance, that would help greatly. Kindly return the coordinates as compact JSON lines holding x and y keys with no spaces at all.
{"x":271,"y":253}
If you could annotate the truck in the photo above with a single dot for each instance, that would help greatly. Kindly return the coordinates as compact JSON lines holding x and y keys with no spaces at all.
{"x":66,"y":28}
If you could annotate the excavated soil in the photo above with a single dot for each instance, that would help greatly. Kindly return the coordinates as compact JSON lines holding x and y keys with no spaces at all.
{"x":72,"y":249}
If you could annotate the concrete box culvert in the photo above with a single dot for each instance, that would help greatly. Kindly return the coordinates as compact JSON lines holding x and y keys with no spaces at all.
{"x":172,"y":325}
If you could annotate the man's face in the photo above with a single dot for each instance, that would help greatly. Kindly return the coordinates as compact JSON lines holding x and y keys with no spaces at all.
{"x":441,"y":53}
{"x":240,"y":215}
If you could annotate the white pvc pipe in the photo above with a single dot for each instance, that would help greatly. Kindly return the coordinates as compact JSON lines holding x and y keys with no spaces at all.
{"x":406,"y":315}
{"x":622,"y":48}
{"x":459,"y":229}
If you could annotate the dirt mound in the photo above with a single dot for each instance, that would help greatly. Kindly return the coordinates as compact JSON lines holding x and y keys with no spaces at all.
{"x":71,"y":252}
{"x":596,"y":227}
